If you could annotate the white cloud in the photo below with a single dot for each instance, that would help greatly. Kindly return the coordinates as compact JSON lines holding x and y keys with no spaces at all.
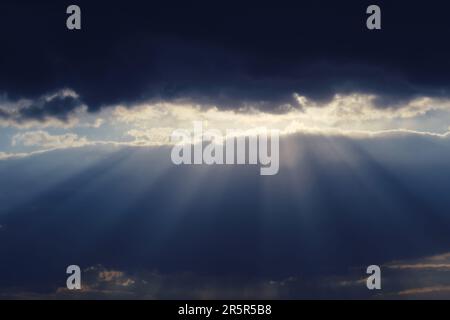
{"x":43,"y":139}
{"x":6,"y":156}
{"x":351,"y":115}
{"x":147,"y":124}
{"x":151,"y":137}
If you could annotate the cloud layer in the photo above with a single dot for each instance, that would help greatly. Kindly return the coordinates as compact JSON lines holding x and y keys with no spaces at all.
{"x":242,"y":54}
{"x":57,"y":109}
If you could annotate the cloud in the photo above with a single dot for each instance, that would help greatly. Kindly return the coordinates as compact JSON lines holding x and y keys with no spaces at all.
{"x":422,"y":266}
{"x":425,"y":291}
{"x":58,"y":110}
{"x":103,"y":283}
{"x":151,"y":124}
{"x":260,"y":56}
{"x":341,"y":111}
{"x":420,"y":278}
{"x":6,"y":156}
{"x":98,"y":282}
{"x":353,"y":115}
{"x":438,"y":262}
{"x":151,"y":137}
{"x":248,"y":55}
{"x":43,"y":139}
{"x":115,"y":277}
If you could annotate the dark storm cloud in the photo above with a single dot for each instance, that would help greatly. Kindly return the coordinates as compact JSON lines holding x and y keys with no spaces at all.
{"x":59,"y":106}
{"x":229,"y":54}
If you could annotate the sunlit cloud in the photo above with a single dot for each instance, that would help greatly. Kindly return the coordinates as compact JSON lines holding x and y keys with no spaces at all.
{"x":45,"y":140}
{"x":425,"y":291}
{"x":151,"y":124}
{"x":351,"y":115}
{"x":438,"y":262}
{"x":6,"y":155}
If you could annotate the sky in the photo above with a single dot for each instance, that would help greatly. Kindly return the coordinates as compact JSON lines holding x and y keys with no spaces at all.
{"x":85,"y":152}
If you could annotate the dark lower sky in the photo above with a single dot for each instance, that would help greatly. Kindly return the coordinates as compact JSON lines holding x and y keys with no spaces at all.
{"x":225,"y":231}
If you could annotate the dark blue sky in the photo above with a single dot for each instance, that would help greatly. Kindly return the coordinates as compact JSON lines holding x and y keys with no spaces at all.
{"x":327,"y":217}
